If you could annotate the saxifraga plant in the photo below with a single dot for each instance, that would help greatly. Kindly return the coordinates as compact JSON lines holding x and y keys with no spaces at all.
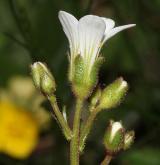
{"x":86,"y":37}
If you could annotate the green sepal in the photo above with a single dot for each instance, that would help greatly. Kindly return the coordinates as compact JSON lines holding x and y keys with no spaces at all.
{"x":84,"y":82}
{"x":79,"y":87}
{"x":78,"y":77}
{"x":93,"y":76}
{"x":47,"y":85}
{"x":116,"y":144}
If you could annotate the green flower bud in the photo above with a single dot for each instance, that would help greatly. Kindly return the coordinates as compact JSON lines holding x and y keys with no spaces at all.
{"x":128,"y":139}
{"x":114,"y":137}
{"x":113,"y":94}
{"x":43,"y":78}
{"x":84,"y":80}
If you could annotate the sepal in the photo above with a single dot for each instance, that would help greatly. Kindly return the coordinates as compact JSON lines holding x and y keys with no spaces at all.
{"x":93,"y":75}
{"x":84,"y":80}
{"x":79,"y":87}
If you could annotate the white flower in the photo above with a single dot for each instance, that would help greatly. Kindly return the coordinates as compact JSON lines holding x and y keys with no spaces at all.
{"x":87,"y":35}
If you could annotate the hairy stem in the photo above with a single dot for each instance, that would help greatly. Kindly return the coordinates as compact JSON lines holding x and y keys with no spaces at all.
{"x":74,"y":146}
{"x":107,"y":160}
{"x":66,"y":130}
{"x":86,"y":130}
{"x":88,"y":126}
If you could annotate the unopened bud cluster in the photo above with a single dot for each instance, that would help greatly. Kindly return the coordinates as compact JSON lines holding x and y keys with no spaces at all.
{"x":116,"y":138}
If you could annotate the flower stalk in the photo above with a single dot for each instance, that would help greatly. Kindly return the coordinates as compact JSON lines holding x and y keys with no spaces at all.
{"x":87,"y":128}
{"x":66,"y":129}
{"x":74,"y":146}
{"x":107,"y":160}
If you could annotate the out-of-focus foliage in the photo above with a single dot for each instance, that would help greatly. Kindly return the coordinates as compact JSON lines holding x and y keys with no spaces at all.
{"x":145,"y":156}
{"x":30,"y":31}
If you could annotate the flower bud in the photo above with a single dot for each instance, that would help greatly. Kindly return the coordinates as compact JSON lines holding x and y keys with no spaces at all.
{"x":114,"y":137}
{"x":43,"y":78}
{"x":113,"y":94}
{"x":128,"y":139}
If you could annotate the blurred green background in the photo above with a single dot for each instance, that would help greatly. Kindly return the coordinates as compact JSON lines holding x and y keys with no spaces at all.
{"x":30,"y":31}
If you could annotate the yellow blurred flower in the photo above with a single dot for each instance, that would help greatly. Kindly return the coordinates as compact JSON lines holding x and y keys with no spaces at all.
{"x":21,"y":118}
{"x":18,"y":131}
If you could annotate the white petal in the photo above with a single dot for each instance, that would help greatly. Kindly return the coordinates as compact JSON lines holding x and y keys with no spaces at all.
{"x":70,"y":25}
{"x":115,"y":30}
{"x":109,"y":24}
{"x":122,"y":86}
{"x":115,"y":128}
{"x":91,"y":31}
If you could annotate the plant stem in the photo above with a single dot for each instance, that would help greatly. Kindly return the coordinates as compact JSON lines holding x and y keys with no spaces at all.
{"x":107,"y":160}
{"x":74,"y":146}
{"x":87,"y":128}
{"x":66,"y":130}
